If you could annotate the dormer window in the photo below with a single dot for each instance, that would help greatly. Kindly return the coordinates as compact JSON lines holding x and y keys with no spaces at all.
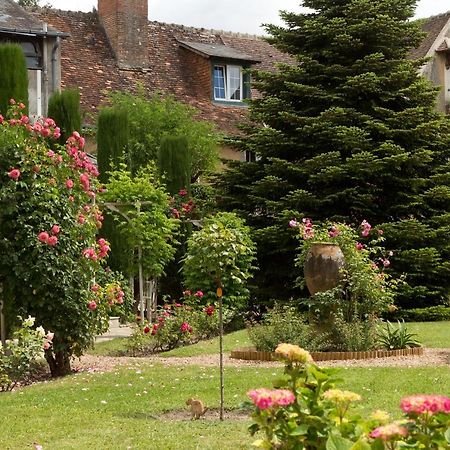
{"x":228,"y":82}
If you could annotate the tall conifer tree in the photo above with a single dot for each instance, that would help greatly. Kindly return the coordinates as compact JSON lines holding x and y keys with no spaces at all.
{"x":350,"y":133}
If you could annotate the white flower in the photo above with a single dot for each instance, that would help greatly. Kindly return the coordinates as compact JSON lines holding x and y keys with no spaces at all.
{"x":29,"y":322}
{"x":40,"y":331}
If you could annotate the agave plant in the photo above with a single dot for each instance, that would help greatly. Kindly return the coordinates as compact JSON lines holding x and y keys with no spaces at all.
{"x":396,"y":337}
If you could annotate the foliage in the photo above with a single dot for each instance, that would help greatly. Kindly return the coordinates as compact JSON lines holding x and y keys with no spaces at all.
{"x":284,"y":323}
{"x":20,"y":356}
{"x":13,"y":76}
{"x":28,"y":3}
{"x":431,"y":314}
{"x":112,"y":142}
{"x":155,"y":117}
{"x":350,"y":133}
{"x":393,"y":337}
{"x":48,"y":223}
{"x":306,"y":411}
{"x":64,"y":109}
{"x":355,"y":336}
{"x":220,"y":255}
{"x":141,"y":204}
{"x":112,"y":139}
{"x":174,"y":163}
{"x":176,"y":325}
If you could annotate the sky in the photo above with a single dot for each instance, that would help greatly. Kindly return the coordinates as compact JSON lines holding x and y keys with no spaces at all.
{"x":244,"y":16}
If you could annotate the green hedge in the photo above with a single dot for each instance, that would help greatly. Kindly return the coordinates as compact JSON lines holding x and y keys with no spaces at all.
{"x":431,"y":314}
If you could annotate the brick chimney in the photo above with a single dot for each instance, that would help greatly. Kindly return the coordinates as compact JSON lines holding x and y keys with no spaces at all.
{"x":126,"y":25}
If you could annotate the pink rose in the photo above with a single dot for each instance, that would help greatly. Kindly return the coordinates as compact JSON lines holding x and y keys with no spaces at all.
{"x":199,"y":294}
{"x":56,"y":229}
{"x":50,"y":153}
{"x":209,"y":310}
{"x":43,"y":236}
{"x":293,"y":223}
{"x":359,"y":246}
{"x":46,"y":345}
{"x":146,"y":329}
{"x":81,"y":219}
{"x":69,"y":183}
{"x":182,"y":192}
{"x":92,"y":305}
{"x":52,"y":240}
{"x":14,"y":174}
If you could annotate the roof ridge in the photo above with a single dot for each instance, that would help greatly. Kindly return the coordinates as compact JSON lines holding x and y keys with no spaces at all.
{"x":210,"y":30}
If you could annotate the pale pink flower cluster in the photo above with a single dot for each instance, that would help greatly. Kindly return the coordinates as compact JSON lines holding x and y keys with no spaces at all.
{"x":425,"y":404}
{"x":389,"y":432}
{"x":365,"y":227}
{"x":307,"y":229}
{"x":271,"y":398}
{"x":185,"y":328}
{"x":334,"y":231}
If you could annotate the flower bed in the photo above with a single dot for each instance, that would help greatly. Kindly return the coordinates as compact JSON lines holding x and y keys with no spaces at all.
{"x":250,"y":354}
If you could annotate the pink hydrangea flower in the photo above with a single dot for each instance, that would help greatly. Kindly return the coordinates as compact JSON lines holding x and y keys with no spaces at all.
{"x":425,"y":404}
{"x":389,"y":432}
{"x":268,"y":398}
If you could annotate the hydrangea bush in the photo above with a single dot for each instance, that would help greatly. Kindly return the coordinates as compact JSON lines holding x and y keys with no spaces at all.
{"x":307,"y":411}
{"x":49,"y":255}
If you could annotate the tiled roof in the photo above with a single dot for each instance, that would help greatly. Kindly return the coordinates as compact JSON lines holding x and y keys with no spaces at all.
{"x":217,"y":50}
{"x":433,"y":27}
{"x":88,"y":63}
{"x":16,"y":20}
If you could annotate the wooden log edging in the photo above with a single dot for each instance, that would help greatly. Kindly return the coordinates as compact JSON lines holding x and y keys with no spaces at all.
{"x":250,"y":354}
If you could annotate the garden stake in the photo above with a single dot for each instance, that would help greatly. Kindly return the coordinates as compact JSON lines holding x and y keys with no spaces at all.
{"x":219,"y":294}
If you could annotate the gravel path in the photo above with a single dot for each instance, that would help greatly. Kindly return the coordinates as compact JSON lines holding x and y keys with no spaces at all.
{"x":431,"y":357}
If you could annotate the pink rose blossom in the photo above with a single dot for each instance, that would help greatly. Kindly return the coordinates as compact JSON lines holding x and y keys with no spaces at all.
{"x":21,"y":105}
{"x":14,"y":174}
{"x":56,"y":229}
{"x":46,"y":345}
{"x":359,"y":246}
{"x":52,"y":240}
{"x":92,"y":305}
{"x":199,"y":294}
{"x":187,"y":293}
{"x":293,"y":223}
{"x":69,"y":183}
{"x":50,"y":153}
{"x":81,"y":219}
{"x":209,"y":310}
{"x":146,"y":329}
{"x":43,"y":236}
{"x":185,"y":328}
{"x":334,"y":231}
{"x":182,"y":192}
{"x":95,"y":288}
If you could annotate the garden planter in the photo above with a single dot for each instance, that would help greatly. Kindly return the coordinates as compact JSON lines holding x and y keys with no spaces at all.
{"x":322,"y":267}
{"x":249,"y":353}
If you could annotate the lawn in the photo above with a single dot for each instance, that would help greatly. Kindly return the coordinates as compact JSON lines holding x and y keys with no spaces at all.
{"x":430,"y":334}
{"x":124,"y":408}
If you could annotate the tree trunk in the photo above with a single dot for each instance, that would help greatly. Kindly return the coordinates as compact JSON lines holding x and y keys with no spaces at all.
{"x":59,"y":363}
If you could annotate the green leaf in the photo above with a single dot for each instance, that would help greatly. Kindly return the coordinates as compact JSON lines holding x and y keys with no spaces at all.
{"x":335,"y":442}
{"x":360,"y":445}
{"x":447,"y":435}
{"x":301,"y":430}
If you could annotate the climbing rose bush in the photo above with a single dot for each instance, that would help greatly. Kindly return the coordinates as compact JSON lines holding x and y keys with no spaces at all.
{"x":307,"y":411}
{"x":49,"y":255}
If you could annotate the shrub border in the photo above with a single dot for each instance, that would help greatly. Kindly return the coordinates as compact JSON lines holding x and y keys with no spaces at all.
{"x":251,"y":354}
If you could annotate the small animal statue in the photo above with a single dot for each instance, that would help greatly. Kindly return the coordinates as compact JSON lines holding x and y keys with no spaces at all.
{"x":197,"y":408}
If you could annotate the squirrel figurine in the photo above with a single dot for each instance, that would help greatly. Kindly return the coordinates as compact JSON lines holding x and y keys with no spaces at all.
{"x":197,"y":408}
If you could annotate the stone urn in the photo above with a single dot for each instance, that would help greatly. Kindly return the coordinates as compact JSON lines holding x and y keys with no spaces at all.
{"x":323,"y":266}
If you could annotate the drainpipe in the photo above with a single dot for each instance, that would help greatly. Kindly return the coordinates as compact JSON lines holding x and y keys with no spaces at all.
{"x":45,"y":71}
{"x":55,"y":85}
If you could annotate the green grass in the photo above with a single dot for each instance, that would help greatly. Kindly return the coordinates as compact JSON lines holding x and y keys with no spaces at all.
{"x":71,"y":413}
{"x":429,"y":334}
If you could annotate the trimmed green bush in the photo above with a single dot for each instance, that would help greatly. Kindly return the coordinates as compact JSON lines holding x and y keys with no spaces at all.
{"x":64,"y":109}
{"x":13,"y":76}
{"x":112,"y":141}
{"x":174,"y":163}
{"x":431,"y":314}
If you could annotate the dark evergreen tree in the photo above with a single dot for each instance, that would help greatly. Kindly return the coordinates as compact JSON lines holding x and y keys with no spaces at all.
{"x":64,"y":109}
{"x":350,"y":132}
{"x":174,"y":163}
{"x":13,"y":76}
{"x":112,"y":141}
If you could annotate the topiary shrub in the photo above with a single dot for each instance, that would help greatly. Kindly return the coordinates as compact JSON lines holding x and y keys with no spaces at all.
{"x":13,"y":76}
{"x":64,"y":109}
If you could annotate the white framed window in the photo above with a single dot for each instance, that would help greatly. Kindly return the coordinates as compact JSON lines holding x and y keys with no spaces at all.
{"x":228,"y":83}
